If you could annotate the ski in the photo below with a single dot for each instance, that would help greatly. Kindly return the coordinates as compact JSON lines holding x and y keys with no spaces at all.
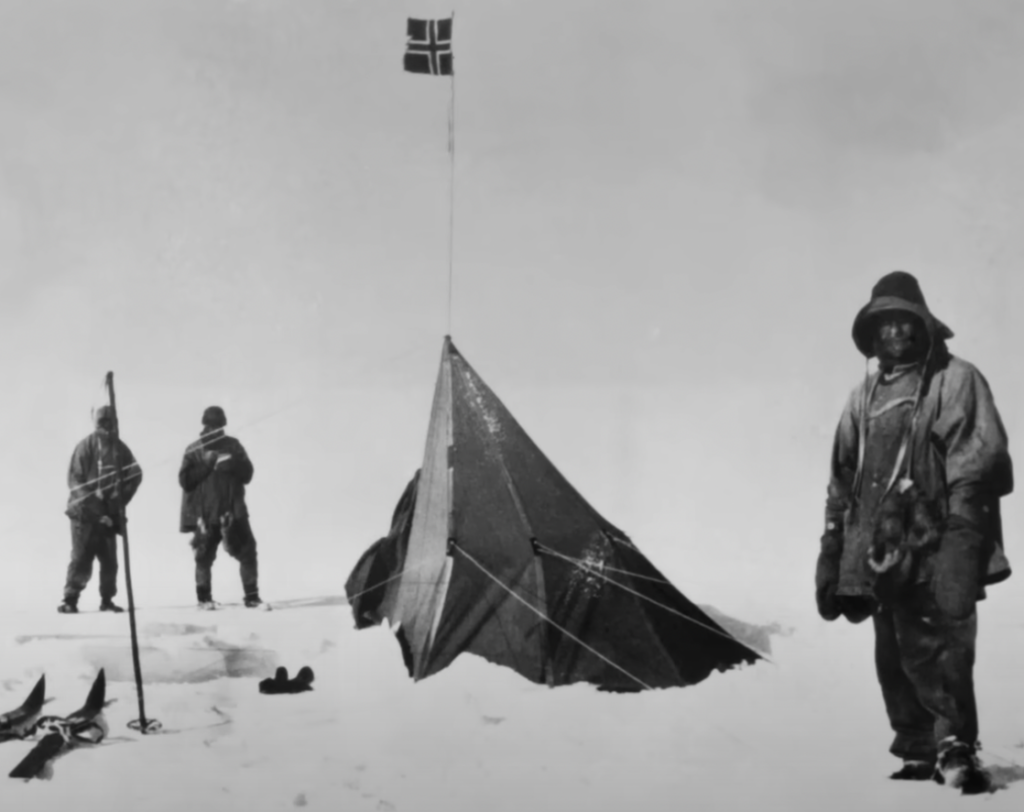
{"x":60,"y":735}
{"x":18,"y":723}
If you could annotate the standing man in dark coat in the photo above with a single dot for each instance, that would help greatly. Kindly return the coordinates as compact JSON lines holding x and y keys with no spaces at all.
{"x":94,"y":510}
{"x":912,"y":527}
{"x":213,"y":476}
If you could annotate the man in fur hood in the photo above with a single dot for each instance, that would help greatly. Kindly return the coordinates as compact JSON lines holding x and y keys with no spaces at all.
{"x":912,"y":527}
{"x":214,"y":472}
{"x":94,"y":508}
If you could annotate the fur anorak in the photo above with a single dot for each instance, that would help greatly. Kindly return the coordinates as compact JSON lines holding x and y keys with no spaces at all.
{"x":957,"y":457}
{"x":92,"y":479}
{"x":211,"y":491}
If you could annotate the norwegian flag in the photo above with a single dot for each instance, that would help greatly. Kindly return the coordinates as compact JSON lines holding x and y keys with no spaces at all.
{"x":430,"y":47}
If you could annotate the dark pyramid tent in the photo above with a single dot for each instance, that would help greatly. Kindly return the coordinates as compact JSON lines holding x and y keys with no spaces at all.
{"x":492,"y":551}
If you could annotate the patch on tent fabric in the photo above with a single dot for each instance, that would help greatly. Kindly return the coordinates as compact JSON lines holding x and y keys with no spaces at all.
{"x":588,"y":572}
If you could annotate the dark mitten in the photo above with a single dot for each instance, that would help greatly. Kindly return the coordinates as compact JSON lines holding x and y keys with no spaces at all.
{"x":303,"y":681}
{"x":278,"y":684}
{"x":957,"y":569}
{"x":826,"y":576}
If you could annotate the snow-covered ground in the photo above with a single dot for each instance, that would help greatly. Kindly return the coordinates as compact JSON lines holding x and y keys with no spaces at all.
{"x":804,"y":731}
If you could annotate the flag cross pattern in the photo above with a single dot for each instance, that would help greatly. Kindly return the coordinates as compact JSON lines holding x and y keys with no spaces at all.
{"x":430,"y":47}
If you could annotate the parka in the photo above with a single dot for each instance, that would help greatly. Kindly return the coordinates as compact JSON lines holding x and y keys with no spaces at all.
{"x":211,"y":491}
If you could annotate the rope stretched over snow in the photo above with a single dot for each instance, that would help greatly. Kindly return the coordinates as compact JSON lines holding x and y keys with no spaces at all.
{"x":543,"y":616}
{"x":388,"y":580}
{"x":594,"y":571}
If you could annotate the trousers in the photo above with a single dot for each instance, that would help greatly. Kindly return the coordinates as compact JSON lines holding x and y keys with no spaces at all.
{"x":925,"y":665}
{"x":91,"y":541}
{"x":239,"y":543}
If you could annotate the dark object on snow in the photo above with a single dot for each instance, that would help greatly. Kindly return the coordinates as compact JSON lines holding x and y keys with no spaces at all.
{"x":273,"y":685}
{"x":85,"y":727}
{"x":492,"y":551}
{"x":19,"y":722}
{"x":280,"y":684}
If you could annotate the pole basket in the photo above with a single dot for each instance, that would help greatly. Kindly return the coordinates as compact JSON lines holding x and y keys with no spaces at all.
{"x":151,"y":726}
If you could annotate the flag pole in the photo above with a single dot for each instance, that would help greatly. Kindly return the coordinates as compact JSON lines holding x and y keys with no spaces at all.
{"x":451,"y":186}
{"x":142,"y":724}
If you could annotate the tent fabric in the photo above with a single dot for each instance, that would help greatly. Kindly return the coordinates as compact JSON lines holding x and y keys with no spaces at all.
{"x":371,"y":587}
{"x":503,"y":558}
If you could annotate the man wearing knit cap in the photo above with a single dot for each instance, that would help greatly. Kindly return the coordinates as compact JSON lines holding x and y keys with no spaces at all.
{"x":94,"y":508}
{"x":912,"y":528}
{"x":213,"y":476}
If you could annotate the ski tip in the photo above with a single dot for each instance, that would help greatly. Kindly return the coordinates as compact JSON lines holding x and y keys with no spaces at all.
{"x":37,"y":697}
{"x":97,"y":694}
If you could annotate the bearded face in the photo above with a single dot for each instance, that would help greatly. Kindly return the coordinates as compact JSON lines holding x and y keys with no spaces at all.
{"x":104,"y":430}
{"x":900,"y":338}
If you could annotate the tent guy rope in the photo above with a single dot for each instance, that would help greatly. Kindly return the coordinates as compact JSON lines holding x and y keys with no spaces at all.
{"x":595,"y":571}
{"x":547,"y":619}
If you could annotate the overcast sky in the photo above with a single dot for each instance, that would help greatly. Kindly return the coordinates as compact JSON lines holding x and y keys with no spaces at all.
{"x":666,"y":216}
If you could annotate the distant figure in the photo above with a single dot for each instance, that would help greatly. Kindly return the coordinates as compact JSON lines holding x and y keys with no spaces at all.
{"x":213,"y":476}
{"x":93,"y":507}
{"x":912,"y":528}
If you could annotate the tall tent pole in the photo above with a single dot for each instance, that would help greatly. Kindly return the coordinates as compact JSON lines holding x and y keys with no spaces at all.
{"x":451,"y":188}
{"x":143,"y":725}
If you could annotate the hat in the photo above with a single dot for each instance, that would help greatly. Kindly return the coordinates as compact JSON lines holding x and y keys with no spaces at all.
{"x":102,"y":413}
{"x":898,"y":290}
{"x":214,"y":417}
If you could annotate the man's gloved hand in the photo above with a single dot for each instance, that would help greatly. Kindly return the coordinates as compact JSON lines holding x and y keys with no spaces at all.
{"x":107,"y":521}
{"x":826,"y":576}
{"x":957,"y":568}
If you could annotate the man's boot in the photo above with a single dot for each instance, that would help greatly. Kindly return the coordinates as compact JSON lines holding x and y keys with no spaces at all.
{"x":959,"y":768}
{"x":204,"y":598}
{"x":69,"y":607}
{"x":252,"y":598}
{"x":914,"y":770}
